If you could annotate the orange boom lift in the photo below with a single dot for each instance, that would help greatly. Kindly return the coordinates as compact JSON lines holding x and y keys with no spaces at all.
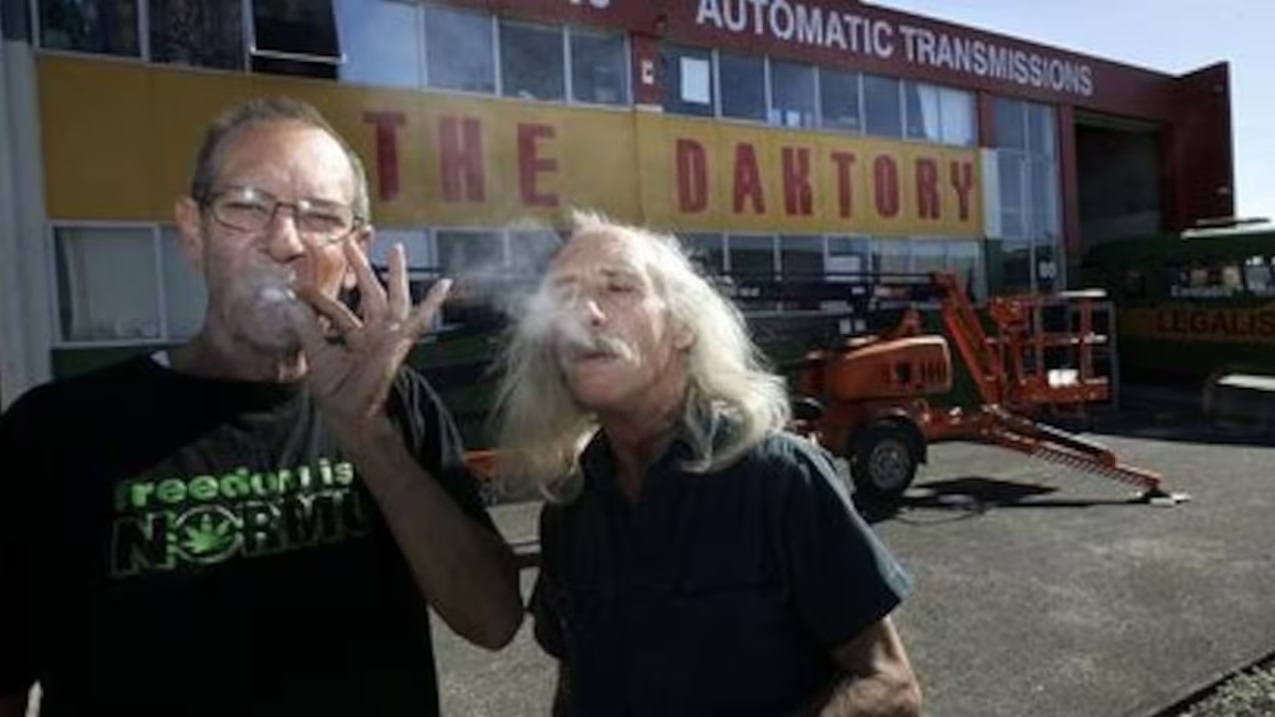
{"x":866,"y":399}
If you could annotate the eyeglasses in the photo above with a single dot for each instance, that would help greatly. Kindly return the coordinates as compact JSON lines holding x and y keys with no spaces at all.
{"x":249,"y":209}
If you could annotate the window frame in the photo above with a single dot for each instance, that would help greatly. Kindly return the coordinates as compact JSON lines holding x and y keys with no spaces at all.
{"x":569,"y":31}
{"x":60,"y":341}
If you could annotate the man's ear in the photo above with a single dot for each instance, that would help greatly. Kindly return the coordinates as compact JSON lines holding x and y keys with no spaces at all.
{"x":363,"y":238}
{"x":190,"y":235}
{"x":683,"y":338}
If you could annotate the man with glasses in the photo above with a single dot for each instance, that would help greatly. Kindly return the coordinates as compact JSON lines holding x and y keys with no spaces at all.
{"x":256,"y":521}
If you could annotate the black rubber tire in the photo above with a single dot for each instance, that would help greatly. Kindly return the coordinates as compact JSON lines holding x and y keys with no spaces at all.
{"x":883,"y":462}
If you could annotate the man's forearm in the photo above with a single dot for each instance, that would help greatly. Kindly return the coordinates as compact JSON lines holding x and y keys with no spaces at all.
{"x":13,"y":705}
{"x":467,"y":573}
{"x":879,"y":695}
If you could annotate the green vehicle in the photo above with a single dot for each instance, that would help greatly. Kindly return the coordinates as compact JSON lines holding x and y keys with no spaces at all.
{"x":1190,"y":306}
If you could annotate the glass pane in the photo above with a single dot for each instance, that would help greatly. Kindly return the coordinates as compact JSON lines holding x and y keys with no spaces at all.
{"x":381,"y":42}
{"x":964,"y":259}
{"x":462,"y":252}
{"x":752,"y":256}
{"x":1011,"y":131}
{"x":792,"y":94}
{"x":1012,"y":199}
{"x":1040,"y":129}
{"x":922,"y":111}
{"x":422,"y":269}
{"x":458,"y":50}
{"x":104,"y":26}
{"x":743,"y":81}
{"x":928,"y":256}
{"x":599,"y":70}
{"x":300,"y":28}
{"x":1011,"y":265}
{"x":890,"y":256}
{"x":848,"y":257}
{"x":839,"y":97}
{"x":202,"y":33}
{"x":1257,"y":275}
{"x":185,"y":296}
{"x":959,"y":117}
{"x":530,"y":251}
{"x":107,"y":289}
{"x":688,"y":75}
{"x":415,"y":245}
{"x":466,"y":256}
{"x":1044,"y":198}
{"x":801,"y":257}
{"x":881,"y":100}
{"x":531,"y":62}
{"x":706,"y":252}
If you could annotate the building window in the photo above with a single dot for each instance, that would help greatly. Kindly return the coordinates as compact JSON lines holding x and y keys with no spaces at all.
{"x":108,"y":27}
{"x":382,"y":42}
{"x":891,"y":256}
{"x":742,"y":80}
{"x":801,"y":257}
{"x":801,"y":261}
{"x":599,"y":67}
{"x":463,"y":255}
{"x":688,"y":74}
{"x":752,"y":257}
{"x":706,"y":252}
{"x":462,"y":251}
{"x":108,"y":288}
{"x":295,"y":38}
{"x":848,"y":258}
{"x":792,"y":92}
{"x":939,"y":114}
{"x":532,"y":66}
{"x":420,"y":257}
{"x":185,"y":298}
{"x":531,"y":250}
{"x":199,"y":33}
{"x":458,"y":50}
{"x":882,"y":107}
{"x":839,"y":100}
{"x":959,"y":117}
{"x":1029,"y":197}
{"x":422,"y":269}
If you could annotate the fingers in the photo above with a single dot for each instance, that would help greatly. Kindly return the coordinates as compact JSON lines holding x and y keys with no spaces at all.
{"x":398,"y":282}
{"x":339,"y":314}
{"x":423,"y":315}
{"x":372,"y":302}
{"x":310,"y":333}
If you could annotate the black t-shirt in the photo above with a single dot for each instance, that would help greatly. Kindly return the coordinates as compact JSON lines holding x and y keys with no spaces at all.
{"x":710,"y":595}
{"x":178,"y":545}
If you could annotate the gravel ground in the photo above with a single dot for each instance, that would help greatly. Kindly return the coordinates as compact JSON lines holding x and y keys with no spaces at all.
{"x":1248,"y":694}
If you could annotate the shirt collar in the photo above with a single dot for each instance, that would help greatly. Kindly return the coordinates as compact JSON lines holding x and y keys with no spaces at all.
{"x":703,"y":418}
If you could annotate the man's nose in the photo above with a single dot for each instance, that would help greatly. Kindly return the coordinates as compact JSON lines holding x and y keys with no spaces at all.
{"x":593,"y":312}
{"x":283,"y":241}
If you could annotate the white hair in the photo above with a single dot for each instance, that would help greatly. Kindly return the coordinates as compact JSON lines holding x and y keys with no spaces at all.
{"x":541,"y":430}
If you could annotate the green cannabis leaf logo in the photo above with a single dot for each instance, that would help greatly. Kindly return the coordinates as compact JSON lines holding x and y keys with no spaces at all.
{"x":208,"y":536}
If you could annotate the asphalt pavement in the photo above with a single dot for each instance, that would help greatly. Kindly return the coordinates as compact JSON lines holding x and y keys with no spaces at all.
{"x":1040,"y":590}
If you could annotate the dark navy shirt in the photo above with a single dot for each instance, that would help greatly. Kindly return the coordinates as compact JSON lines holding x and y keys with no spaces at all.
{"x":711,"y":594}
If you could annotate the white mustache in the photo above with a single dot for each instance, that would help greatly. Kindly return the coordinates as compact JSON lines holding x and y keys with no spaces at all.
{"x":605,"y":345}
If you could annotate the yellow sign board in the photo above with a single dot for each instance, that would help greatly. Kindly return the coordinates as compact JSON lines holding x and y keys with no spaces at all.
{"x":1251,"y":325}
{"x":120,"y":139}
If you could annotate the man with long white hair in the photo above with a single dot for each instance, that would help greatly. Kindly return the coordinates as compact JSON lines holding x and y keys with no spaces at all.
{"x":696,"y":558}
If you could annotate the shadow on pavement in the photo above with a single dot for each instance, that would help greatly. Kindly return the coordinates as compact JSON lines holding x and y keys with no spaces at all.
{"x":970,"y":497}
{"x":1180,"y":427}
